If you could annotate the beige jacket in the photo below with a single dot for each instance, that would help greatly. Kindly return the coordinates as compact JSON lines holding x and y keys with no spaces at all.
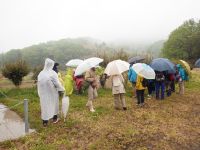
{"x":117,"y":84}
{"x":91,"y":77}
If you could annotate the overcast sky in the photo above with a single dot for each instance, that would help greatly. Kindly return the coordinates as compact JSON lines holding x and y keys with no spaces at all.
{"x":27,"y":22}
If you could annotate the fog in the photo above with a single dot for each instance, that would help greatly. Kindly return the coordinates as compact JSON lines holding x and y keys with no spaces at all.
{"x":27,"y":22}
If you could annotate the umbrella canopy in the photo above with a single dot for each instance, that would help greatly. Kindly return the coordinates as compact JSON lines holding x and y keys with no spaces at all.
{"x":135,"y":59}
{"x":74,"y":63}
{"x":144,"y":70}
{"x":197,"y":63}
{"x":116,"y":67}
{"x":87,"y":64}
{"x":186,"y":66}
{"x":163,"y":64}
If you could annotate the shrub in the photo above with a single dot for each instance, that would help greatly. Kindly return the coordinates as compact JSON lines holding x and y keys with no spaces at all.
{"x":15,"y":71}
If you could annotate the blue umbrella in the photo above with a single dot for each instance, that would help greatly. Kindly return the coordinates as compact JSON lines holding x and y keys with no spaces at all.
{"x":197,"y":63}
{"x":163,"y":64}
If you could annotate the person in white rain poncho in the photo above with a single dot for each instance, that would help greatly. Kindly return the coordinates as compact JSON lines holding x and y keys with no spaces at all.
{"x":49,"y":87}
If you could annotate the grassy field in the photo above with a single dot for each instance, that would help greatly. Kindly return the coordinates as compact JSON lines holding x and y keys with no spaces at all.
{"x":172,"y":124}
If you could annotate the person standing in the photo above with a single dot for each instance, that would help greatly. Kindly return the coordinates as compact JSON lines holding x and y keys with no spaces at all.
{"x":49,"y":87}
{"x":140,"y":90}
{"x":160,"y":85}
{"x":182,"y":78}
{"x":168,"y":84}
{"x":172,"y":79}
{"x":151,"y":88}
{"x":55,"y":68}
{"x":90,"y":77}
{"x":132,"y":76}
{"x":68,"y":82}
{"x":118,"y":91}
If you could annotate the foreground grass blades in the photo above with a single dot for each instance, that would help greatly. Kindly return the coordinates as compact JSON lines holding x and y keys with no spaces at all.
{"x":169,"y":124}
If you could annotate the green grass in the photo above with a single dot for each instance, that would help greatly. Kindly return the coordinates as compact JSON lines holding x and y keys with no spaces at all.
{"x":169,"y":124}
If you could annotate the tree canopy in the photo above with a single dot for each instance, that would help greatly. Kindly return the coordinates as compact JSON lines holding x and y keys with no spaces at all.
{"x":184,"y":42}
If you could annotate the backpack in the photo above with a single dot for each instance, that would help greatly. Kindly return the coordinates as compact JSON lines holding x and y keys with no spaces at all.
{"x":160,"y":78}
{"x":144,"y":82}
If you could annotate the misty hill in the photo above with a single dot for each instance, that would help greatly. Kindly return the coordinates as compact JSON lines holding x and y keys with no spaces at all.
{"x":61,"y":51}
{"x":155,"y":48}
{"x":65,"y":49}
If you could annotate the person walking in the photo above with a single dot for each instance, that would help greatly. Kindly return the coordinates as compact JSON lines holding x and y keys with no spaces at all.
{"x":160,"y":85}
{"x":90,"y":77}
{"x":49,"y":87}
{"x":140,"y":88}
{"x":118,"y":91}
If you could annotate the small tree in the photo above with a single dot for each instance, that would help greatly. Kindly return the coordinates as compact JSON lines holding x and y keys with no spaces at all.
{"x":15,"y":71}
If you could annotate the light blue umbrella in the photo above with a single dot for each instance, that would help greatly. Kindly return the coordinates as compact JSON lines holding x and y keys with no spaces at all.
{"x":197,"y":63}
{"x":163,"y":64}
{"x":144,"y":70}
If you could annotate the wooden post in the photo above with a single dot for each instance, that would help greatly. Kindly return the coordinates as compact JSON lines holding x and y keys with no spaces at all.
{"x":26,"y":115}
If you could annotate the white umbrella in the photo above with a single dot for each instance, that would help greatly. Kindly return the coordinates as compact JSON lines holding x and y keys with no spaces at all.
{"x":74,"y":63}
{"x":144,"y":70}
{"x":65,"y":106}
{"x":87,"y":64}
{"x":116,"y":67}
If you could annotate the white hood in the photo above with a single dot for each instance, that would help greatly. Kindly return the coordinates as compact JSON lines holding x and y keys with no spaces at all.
{"x":48,"y":64}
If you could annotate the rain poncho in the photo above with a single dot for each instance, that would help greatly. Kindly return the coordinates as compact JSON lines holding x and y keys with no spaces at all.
{"x":60,"y":78}
{"x":132,"y":76}
{"x":139,"y":85}
{"x":48,"y":87}
{"x":69,"y":82}
{"x":182,"y":72}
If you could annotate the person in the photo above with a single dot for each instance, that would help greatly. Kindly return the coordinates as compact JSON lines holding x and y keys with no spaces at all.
{"x":79,"y":83}
{"x":118,"y":91}
{"x":182,"y":77}
{"x":160,"y":85}
{"x":151,"y":88}
{"x":140,"y":90}
{"x":68,"y":82}
{"x":55,"y":67}
{"x":167,"y":84}
{"x":49,"y":87}
{"x":90,"y":77}
{"x":103,"y":78}
{"x":132,"y":76}
{"x":172,"y":79}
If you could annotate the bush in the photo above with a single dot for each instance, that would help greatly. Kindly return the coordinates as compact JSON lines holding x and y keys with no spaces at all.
{"x":15,"y":71}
